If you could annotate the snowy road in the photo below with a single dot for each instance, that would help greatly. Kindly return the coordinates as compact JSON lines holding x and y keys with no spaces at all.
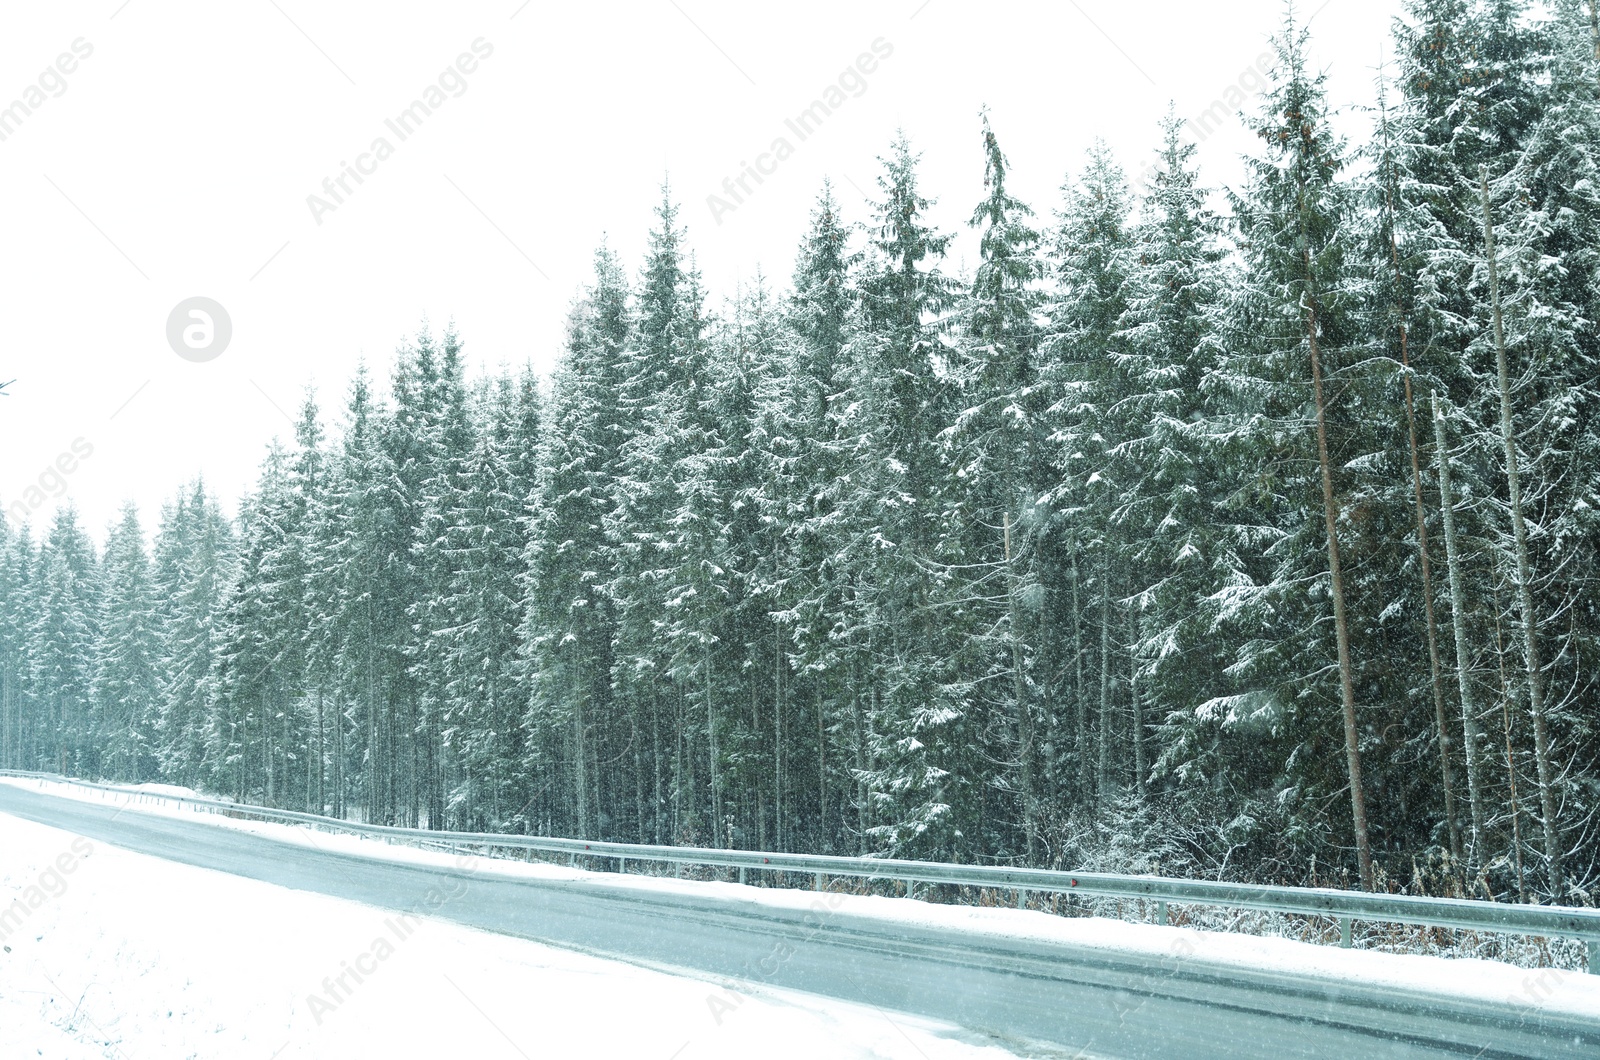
{"x":122,"y":956}
{"x":1045,"y":990}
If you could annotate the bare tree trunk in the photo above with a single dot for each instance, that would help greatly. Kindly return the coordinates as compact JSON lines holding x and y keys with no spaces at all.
{"x":638,"y":774}
{"x":861,"y":767}
{"x":1458,"y":618}
{"x":266,"y":747}
{"x":778,"y":706}
{"x":7,"y":753}
{"x":1081,"y":720}
{"x":685,"y":814}
{"x":822,"y":775}
{"x":717,"y":827}
{"x":1434,"y":667}
{"x":580,"y":761}
{"x":1511,"y":761}
{"x":1137,"y":736}
{"x":1103,"y":777}
{"x":441,"y":771}
{"x":1530,"y":643}
{"x":596,"y":804}
{"x":415,"y":736}
{"x":313,"y":747}
{"x":338,"y":754}
{"x":372,"y":765}
{"x":1594,"y":28}
{"x":760,"y":791}
{"x":655,"y":741}
{"x":1019,"y":687}
{"x":1358,"y":799}
{"x":369,"y":771}
{"x":320,"y":800}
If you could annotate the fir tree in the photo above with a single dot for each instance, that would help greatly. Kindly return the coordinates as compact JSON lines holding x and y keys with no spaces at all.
{"x":125,"y":687}
{"x":61,"y":640}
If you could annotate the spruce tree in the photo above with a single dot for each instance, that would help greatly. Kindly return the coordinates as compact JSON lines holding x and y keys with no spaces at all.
{"x":1182,"y":547}
{"x":61,"y":640}
{"x":1084,"y":380}
{"x":901,"y":709}
{"x":568,"y":619}
{"x":998,"y":443}
{"x":18,"y":568}
{"x":125,"y":688}
{"x":1297,"y":320}
{"x":813,"y":440}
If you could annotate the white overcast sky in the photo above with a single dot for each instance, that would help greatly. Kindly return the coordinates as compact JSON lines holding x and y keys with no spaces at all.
{"x":177,"y":161}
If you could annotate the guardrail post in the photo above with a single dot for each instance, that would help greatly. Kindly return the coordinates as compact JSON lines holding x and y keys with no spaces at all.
{"x":741,"y":874}
{"x":1344,"y":932}
{"x":677,"y":870}
{"x":1022,"y":898}
{"x":1161,"y":913}
{"x":572,"y":861}
{"x":1594,"y":956}
{"x":819,"y":881}
{"x":622,"y":865}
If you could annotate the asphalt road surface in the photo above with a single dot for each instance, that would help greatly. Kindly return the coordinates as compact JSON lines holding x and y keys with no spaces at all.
{"x":1040,"y":998}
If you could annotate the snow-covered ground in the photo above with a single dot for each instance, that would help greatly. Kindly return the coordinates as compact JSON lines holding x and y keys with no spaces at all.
{"x":1548,"y":989}
{"x":120,"y":955}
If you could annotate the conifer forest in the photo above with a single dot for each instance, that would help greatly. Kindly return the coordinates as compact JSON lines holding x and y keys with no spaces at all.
{"x":1238,"y":533}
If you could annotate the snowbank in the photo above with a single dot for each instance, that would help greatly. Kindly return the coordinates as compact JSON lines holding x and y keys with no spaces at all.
{"x":118,"y":955}
{"x":1548,"y":989}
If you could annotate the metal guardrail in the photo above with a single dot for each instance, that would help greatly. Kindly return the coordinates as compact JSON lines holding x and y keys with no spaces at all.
{"x":1344,"y":906}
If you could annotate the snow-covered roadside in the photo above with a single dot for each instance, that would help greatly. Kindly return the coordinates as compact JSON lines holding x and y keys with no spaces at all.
{"x":120,"y":955}
{"x":1548,"y":989}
